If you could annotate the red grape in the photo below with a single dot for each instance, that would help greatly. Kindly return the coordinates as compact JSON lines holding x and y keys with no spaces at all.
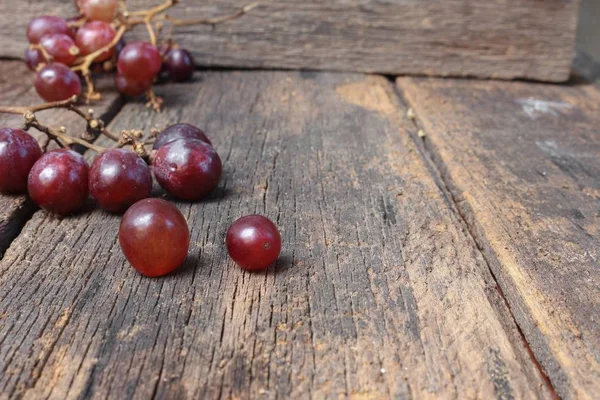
{"x":61,"y":47}
{"x":179,"y":64}
{"x":58,"y":181}
{"x":139,"y":61}
{"x":57,"y":82}
{"x":187,"y":168}
{"x":45,"y":25}
{"x":33,"y":58}
{"x":99,"y":10}
{"x":129,"y":87}
{"x":154,"y":237}
{"x":18,"y":152}
{"x":253,"y":242}
{"x":93,"y":36}
{"x":179,"y":131}
{"x":119,"y":178}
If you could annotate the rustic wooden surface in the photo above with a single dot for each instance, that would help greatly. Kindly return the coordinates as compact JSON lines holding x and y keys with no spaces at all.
{"x":522,"y":163}
{"x":494,"y":38}
{"x":16,"y":89}
{"x":379,"y":292}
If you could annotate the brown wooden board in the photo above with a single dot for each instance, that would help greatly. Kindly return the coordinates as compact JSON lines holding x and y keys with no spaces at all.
{"x":521,"y":161}
{"x":379,"y":291}
{"x":16,"y":89}
{"x":495,"y":38}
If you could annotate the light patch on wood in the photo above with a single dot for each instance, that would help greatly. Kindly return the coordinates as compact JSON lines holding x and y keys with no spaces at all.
{"x":536,"y":107}
{"x":368,"y":93}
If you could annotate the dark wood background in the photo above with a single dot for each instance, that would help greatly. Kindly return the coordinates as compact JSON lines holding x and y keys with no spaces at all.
{"x":495,"y":38}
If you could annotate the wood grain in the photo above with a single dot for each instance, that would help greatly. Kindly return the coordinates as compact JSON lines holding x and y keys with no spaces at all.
{"x":379,"y":291}
{"x":522,"y":163}
{"x":495,"y":38}
{"x":16,"y":89}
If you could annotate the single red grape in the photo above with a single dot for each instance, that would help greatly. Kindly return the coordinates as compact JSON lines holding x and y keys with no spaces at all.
{"x":99,"y":10}
{"x":33,"y":58}
{"x":179,"y":64}
{"x":187,"y":168}
{"x":154,"y":237}
{"x":179,"y":131}
{"x":131,"y":88}
{"x":18,"y":152}
{"x":61,"y":47}
{"x":119,"y":178}
{"x":58,"y":182}
{"x":253,"y":242}
{"x":45,"y":25}
{"x":57,"y":82}
{"x":93,"y":36}
{"x":139,"y":61}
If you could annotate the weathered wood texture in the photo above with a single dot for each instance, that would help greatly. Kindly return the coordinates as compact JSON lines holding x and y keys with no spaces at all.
{"x":522,"y":163}
{"x":16,"y":89}
{"x":378,"y":293}
{"x":494,"y":38}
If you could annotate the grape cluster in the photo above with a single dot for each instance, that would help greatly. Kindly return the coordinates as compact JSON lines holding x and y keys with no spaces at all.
{"x":63,"y":51}
{"x":153,"y":235}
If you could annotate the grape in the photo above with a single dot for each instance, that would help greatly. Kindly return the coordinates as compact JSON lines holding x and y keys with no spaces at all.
{"x":187,"y":168}
{"x":61,"y":47}
{"x":179,"y":64}
{"x":18,"y":152}
{"x":33,"y":58}
{"x":58,"y":182}
{"x":154,"y":237}
{"x":253,"y":242}
{"x":57,"y":82}
{"x":120,"y":46}
{"x":99,"y":10}
{"x":139,"y":61}
{"x":93,"y":36}
{"x":45,"y":25}
{"x":119,"y":178}
{"x":129,"y":87}
{"x":179,"y":131}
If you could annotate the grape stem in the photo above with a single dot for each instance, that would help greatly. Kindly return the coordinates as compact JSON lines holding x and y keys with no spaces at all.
{"x":126,"y":20}
{"x":94,"y":125}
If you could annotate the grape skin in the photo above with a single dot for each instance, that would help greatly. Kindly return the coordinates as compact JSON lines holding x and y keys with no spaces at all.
{"x":58,"y":182}
{"x":154,"y":237}
{"x":18,"y":152}
{"x":253,"y":242}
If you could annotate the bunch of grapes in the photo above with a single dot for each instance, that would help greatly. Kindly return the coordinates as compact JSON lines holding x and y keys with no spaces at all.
{"x":154,"y":235}
{"x":62,"y":51}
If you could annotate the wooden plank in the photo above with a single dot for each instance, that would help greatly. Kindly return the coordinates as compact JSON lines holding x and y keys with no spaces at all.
{"x":378,"y":293}
{"x":495,"y":38}
{"x":521,"y":161}
{"x":16,"y":89}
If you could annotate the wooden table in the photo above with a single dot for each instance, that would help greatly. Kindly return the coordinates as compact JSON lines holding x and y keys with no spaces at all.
{"x":440,"y":240}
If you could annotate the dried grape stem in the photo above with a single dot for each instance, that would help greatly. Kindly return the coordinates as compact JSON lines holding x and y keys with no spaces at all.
{"x":60,"y":135}
{"x":31,"y":121}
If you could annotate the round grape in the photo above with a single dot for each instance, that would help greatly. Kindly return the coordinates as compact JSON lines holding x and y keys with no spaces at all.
{"x":187,"y":168}
{"x":179,"y":131}
{"x":33,"y":58}
{"x":93,"y":36}
{"x":154,"y":237}
{"x":139,"y":61}
{"x":61,"y":47}
{"x":99,"y":10}
{"x":18,"y":152}
{"x":119,"y":178}
{"x":57,"y":82}
{"x":179,"y":64}
{"x":129,"y":87}
{"x":58,"y":182}
{"x":253,"y":242}
{"x":45,"y":25}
